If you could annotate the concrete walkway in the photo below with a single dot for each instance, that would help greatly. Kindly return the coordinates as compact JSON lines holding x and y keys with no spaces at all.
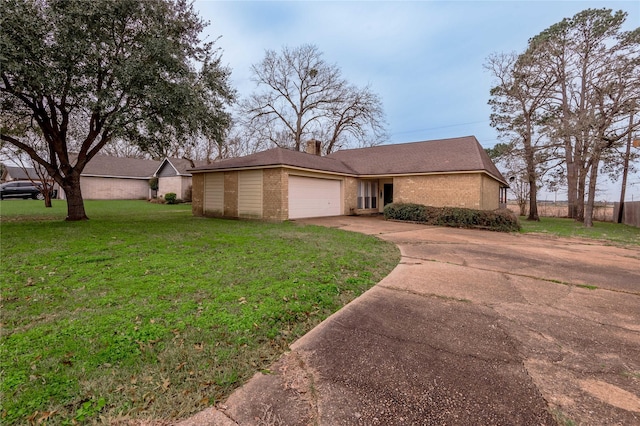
{"x":472,"y":327}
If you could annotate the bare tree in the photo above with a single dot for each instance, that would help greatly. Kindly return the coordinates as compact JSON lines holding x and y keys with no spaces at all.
{"x":517,"y":102}
{"x":508,"y":159}
{"x":123,"y":148}
{"x":571,"y":89}
{"x":595,"y":65}
{"x":41,"y":179}
{"x":303,"y":97}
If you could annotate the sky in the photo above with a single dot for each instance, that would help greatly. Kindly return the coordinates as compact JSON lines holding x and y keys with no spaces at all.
{"x":423,"y":58}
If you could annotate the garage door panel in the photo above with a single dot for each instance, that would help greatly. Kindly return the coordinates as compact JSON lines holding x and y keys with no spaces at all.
{"x":313,"y":197}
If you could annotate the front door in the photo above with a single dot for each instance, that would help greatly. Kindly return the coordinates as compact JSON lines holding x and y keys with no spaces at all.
{"x":388,"y":193}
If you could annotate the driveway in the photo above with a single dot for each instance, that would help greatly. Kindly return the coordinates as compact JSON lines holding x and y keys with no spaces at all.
{"x":472,"y":327}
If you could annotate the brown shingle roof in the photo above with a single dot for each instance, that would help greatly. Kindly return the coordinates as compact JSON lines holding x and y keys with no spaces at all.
{"x":181,"y":165}
{"x":463,"y":154}
{"x":280,"y":157}
{"x":444,"y":155}
{"x":107,"y":166}
{"x":19,"y":173}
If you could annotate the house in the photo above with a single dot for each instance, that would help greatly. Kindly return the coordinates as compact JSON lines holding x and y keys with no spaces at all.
{"x":280,"y":184}
{"x":11,"y":173}
{"x":173,"y":176}
{"x":117,"y":178}
{"x":17,"y":173}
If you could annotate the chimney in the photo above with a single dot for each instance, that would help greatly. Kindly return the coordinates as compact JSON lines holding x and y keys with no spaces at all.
{"x":314,"y":147}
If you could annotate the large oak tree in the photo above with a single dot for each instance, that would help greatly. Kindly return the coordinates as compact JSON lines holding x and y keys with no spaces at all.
{"x":301,"y":96}
{"x":85,"y":73}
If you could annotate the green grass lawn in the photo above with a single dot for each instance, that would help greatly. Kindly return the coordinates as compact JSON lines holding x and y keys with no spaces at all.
{"x":604,"y":231}
{"x":145,"y":311}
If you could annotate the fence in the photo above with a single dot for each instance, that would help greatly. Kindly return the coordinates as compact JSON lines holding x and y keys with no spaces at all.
{"x":601,"y":211}
{"x":630,"y":213}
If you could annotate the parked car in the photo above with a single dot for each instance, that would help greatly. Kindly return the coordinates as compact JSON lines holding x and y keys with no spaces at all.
{"x":23,"y":189}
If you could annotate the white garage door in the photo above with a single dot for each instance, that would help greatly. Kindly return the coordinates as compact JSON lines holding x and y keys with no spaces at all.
{"x":313,"y":197}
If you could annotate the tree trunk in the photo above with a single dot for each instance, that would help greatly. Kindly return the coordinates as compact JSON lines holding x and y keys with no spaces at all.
{"x":582,"y":184}
{"x":533,"y":201}
{"x":572,"y":180}
{"x":593,"y":178}
{"x":625,"y":171}
{"x":75,"y":203}
{"x":523,"y":207}
{"x":531,"y":175}
{"x":47,"y":197}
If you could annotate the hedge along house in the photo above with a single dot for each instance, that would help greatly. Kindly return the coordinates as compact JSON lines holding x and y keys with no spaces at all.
{"x":280,"y":184}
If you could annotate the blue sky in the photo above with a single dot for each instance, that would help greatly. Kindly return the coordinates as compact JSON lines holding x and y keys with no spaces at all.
{"x":425,"y":59}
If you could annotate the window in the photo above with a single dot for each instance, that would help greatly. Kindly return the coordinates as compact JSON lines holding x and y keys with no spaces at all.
{"x":368,"y":194}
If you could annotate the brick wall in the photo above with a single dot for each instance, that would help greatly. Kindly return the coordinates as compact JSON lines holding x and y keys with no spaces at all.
{"x":490,"y":193}
{"x":197,"y":195}
{"x":350,"y":195}
{"x":176,"y":184}
{"x":450,"y":190}
{"x":231,"y":194}
{"x":104,"y":188}
{"x":275,"y":189}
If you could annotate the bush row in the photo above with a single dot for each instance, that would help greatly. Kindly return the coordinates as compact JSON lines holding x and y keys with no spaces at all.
{"x":502,"y":220}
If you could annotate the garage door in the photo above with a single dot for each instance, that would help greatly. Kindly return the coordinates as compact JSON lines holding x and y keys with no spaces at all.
{"x":313,"y":197}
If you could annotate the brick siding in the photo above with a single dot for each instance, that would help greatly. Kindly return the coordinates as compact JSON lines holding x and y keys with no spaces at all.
{"x":447,"y":190}
{"x":197,"y":197}
{"x":275,"y":200}
{"x":231,"y":194}
{"x":105,"y":188}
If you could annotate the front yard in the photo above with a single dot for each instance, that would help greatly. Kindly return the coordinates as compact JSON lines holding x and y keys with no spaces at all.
{"x":613,"y":233}
{"x":147,"y":312}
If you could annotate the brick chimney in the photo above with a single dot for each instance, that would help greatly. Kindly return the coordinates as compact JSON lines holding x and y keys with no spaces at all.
{"x":314,"y":147}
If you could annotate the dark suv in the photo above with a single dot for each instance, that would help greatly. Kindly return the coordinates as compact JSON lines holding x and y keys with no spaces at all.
{"x":22,"y":189}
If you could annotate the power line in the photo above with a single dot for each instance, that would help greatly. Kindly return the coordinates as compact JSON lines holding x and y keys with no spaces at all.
{"x":439,"y":127}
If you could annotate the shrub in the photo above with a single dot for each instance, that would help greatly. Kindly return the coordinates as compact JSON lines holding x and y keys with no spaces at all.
{"x":153,"y":183}
{"x":171,"y":198}
{"x":405,"y":211}
{"x":502,"y":220}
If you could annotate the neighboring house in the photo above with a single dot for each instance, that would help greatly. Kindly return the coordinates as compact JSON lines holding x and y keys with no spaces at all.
{"x":173,"y":176}
{"x":117,"y":178}
{"x":11,"y":173}
{"x":280,"y":184}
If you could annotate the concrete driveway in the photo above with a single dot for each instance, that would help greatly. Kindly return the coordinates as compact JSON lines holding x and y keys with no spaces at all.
{"x":472,"y":327}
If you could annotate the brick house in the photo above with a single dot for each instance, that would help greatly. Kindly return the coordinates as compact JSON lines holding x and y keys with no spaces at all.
{"x":173,"y":176}
{"x":280,"y":184}
{"x":116,"y":178}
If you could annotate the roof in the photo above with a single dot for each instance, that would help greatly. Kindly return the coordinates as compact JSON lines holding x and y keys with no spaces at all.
{"x":180,"y":165}
{"x":280,"y":157}
{"x":464,"y":154}
{"x":437,"y":156}
{"x":120,"y":167}
{"x":19,"y":173}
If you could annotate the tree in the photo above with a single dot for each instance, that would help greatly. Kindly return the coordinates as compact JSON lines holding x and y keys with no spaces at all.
{"x":595,"y":64}
{"x":517,"y":103}
{"x":305,"y":98}
{"x":508,"y":159}
{"x":88,"y":73}
{"x":573,"y":89}
{"x":35,"y":172}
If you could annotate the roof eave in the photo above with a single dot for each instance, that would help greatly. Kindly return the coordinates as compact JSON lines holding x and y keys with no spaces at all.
{"x":271,"y":166}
